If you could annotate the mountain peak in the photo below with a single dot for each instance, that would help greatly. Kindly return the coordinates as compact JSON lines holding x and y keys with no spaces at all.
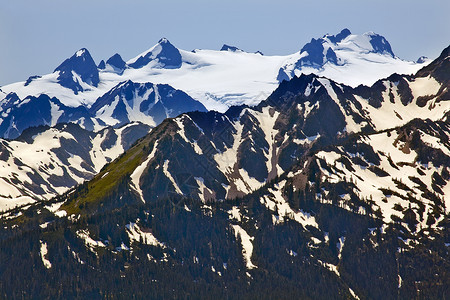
{"x":81,"y":55}
{"x":345,"y":32}
{"x":379,"y":43}
{"x":101,"y":65}
{"x":226,"y":47}
{"x":163,"y":55}
{"x":338,"y":50}
{"x":422,"y":59}
{"x":164,"y":41}
{"x":116,"y":61}
{"x":320,"y":51}
{"x":369,"y":41}
{"x":338,"y":37}
{"x":82,"y":52}
{"x":82,"y":64}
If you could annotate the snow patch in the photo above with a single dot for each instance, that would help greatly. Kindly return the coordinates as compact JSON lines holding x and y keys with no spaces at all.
{"x":247,"y":246}
{"x":168,"y":175}
{"x":135,"y":233}
{"x":137,"y":173}
{"x":91,"y":243}
{"x":44,"y":252}
{"x":277,"y":203}
{"x":235,"y":213}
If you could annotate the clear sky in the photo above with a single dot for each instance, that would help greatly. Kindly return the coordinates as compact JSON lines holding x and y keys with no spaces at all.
{"x":36,"y":36}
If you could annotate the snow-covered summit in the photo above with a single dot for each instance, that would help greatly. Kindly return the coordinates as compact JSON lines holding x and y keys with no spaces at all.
{"x":78,"y":70}
{"x":367,"y":42}
{"x":348,"y":58}
{"x":320,"y":51}
{"x":219,"y":79}
{"x":162,"y":55}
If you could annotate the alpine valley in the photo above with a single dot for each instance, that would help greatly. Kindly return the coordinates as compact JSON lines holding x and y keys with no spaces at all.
{"x":324,"y":174}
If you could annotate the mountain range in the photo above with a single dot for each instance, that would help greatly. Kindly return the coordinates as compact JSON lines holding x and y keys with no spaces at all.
{"x":323,"y":189}
{"x":127,"y":102}
{"x":217,"y":79}
{"x":242,"y":150}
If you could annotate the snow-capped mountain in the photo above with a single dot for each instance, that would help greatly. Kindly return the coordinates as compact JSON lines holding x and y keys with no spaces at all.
{"x":114,"y":64}
{"x":338,"y":50}
{"x":220,"y":79}
{"x":163,"y":55}
{"x":78,"y":72}
{"x":240,"y":151}
{"x":349,"y":59}
{"x":127,"y":102}
{"x":44,"y":162}
{"x":145,"y":102}
{"x":18,"y":115}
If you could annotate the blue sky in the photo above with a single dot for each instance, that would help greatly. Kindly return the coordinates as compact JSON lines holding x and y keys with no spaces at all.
{"x":36,"y":36}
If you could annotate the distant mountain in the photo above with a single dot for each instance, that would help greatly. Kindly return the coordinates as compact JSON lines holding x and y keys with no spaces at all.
{"x":18,"y":115}
{"x":127,"y":102}
{"x":162,"y":55}
{"x":78,"y":72}
{"x":422,"y":59}
{"x":343,"y":51}
{"x":226,"y":47}
{"x":145,"y":102}
{"x":220,"y":79}
{"x":115,"y":64}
